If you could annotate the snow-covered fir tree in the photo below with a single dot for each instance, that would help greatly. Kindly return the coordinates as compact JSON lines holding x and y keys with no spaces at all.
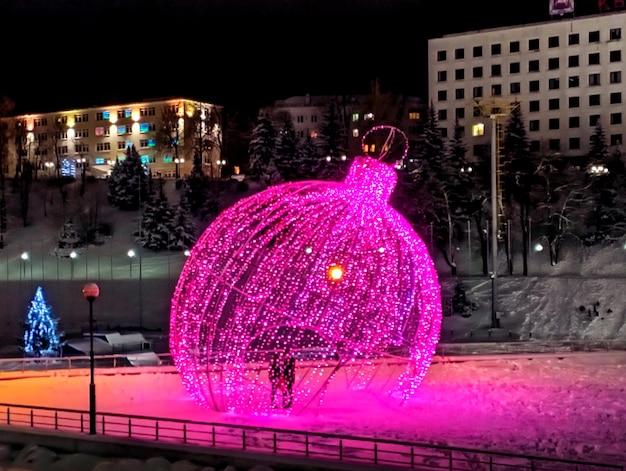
{"x":128,"y":182}
{"x":261,"y":150}
{"x":286,"y":152}
{"x":41,"y":337}
{"x":184,"y":230}
{"x":307,"y":160}
{"x":69,"y":240}
{"x":157,"y":221}
{"x":334,"y":164}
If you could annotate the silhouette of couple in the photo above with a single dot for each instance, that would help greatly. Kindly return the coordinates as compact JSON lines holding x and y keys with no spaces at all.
{"x":282,"y":374}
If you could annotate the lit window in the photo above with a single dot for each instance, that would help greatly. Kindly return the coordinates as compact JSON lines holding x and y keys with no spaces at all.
{"x":355,"y":132}
{"x":355,"y":117}
{"x":414,"y":115}
{"x":478,"y":129}
{"x":369,"y":116}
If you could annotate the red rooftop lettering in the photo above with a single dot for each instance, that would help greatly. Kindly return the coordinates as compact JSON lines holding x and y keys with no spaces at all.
{"x":606,"y":5}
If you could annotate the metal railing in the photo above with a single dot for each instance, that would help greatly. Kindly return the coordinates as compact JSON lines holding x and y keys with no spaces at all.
{"x":294,"y":443}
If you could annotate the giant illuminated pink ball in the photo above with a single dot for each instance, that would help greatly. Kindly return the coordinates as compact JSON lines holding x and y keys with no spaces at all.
{"x":327,"y":269}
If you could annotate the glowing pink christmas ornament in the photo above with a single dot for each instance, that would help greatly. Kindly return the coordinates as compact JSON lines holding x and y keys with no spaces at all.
{"x":326,"y":269}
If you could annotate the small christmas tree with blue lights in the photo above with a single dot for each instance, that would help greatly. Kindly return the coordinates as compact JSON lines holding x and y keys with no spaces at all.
{"x":41,"y":337}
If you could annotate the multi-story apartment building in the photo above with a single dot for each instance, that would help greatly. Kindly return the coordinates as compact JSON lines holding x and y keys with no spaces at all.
{"x":359,"y":113}
{"x":567,"y":75}
{"x":93,"y":139}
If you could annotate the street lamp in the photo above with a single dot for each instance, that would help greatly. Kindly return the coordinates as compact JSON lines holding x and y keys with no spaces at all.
{"x":91,"y":292}
{"x":73,"y":255}
{"x":131,"y":254}
{"x":24,"y":258}
{"x":220,"y":166}
{"x":178,"y":161}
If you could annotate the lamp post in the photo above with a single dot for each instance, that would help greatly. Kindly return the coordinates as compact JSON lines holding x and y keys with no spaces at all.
{"x":178,"y":161}
{"x":131,"y":254}
{"x":73,"y":255}
{"x":91,"y":292}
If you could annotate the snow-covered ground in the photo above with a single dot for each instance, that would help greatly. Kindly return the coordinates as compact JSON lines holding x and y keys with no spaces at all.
{"x":570,"y":406}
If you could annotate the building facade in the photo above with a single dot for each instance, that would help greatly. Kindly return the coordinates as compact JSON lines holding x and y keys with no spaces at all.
{"x":567,"y":75}
{"x":91,"y":140}
{"x":359,"y":113}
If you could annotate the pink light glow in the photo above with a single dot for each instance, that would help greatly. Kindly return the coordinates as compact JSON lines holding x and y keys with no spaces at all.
{"x":258,"y":281}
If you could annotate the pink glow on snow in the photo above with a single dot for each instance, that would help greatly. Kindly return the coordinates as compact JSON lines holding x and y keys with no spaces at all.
{"x":258,"y":281}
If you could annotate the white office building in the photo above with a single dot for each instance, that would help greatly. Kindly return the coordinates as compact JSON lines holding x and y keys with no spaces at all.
{"x":567,"y":75}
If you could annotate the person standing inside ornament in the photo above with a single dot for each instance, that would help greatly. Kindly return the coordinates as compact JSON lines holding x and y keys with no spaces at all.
{"x":289,"y":374}
{"x":275,"y":374}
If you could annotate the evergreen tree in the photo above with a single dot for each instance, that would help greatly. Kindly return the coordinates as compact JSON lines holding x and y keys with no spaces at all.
{"x":520,"y":179}
{"x":606,"y":178}
{"x":334,"y":164}
{"x":286,"y":152}
{"x":41,"y":337}
{"x":261,"y":150}
{"x":69,"y":240}
{"x":200,"y":199}
{"x":156,"y":222}
{"x":183,"y":227}
{"x":128,"y":183}
{"x":307,"y":160}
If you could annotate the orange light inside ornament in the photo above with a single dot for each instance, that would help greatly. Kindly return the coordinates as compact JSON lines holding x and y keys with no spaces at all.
{"x":335,"y":272}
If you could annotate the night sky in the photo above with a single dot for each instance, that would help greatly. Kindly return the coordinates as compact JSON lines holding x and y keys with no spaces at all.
{"x":63,"y":54}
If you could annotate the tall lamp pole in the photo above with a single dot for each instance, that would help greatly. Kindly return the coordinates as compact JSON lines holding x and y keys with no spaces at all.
{"x":91,"y":292}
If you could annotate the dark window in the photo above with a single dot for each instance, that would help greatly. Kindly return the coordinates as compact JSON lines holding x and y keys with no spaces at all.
{"x":573,"y":39}
{"x":444,"y":132}
{"x":573,"y":81}
{"x":553,"y":84}
{"x":553,"y":104}
{"x":459,"y":93}
{"x":573,"y":61}
{"x":615,"y":56}
{"x":594,"y":36}
{"x":496,"y":49}
{"x":442,"y":115}
{"x":533,"y":66}
{"x":535,"y":146}
{"x":616,"y":118}
{"x":616,"y":139}
{"x":553,"y":41}
{"x":594,"y":119}
{"x":441,"y":56}
{"x":574,"y":122}
{"x":514,"y":46}
{"x":615,"y":34}
{"x":477,"y":72}
{"x":594,"y":58}
{"x":496,"y":70}
{"x":514,"y":68}
{"x":459,"y":74}
{"x":459,"y":113}
{"x":594,"y":80}
{"x":615,"y":77}
{"x":533,"y":105}
{"x":477,"y":92}
{"x":594,"y":100}
{"x":554,"y":144}
{"x":574,"y":102}
{"x":553,"y":63}
{"x":496,"y":90}
{"x":533,"y":125}
{"x":442,"y":95}
{"x":533,"y":44}
{"x":459,"y":53}
{"x":442,"y":76}
{"x":516,"y":88}
{"x":616,"y":97}
{"x":574,"y":143}
{"x":477,"y":51}
{"x":533,"y":86}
